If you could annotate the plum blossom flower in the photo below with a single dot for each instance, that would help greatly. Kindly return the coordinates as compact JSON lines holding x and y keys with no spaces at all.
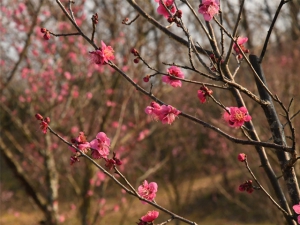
{"x":153,"y":109}
{"x":162,"y":10}
{"x":296,"y":208}
{"x":81,"y":143}
{"x":176,"y":72}
{"x":240,"y":41}
{"x":148,"y":191}
{"x":150,"y":216}
{"x":236,"y":116}
{"x":164,"y":113}
{"x":102,"y":55}
{"x":100,"y":146}
{"x":167,"y":114}
{"x":209,"y":8}
{"x":203,"y":93}
{"x":242,"y":157}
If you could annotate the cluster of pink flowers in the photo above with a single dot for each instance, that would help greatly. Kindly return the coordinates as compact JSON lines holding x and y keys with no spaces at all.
{"x":176,"y":72}
{"x":296,"y":208}
{"x":99,"y":148}
{"x":102,"y":55}
{"x":203,"y":93}
{"x":162,"y":10}
{"x":209,"y":8}
{"x":240,"y":41}
{"x":44,"y":122}
{"x":247,"y":186}
{"x":164,"y":113}
{"x":148,"y":191}
{"x":236,"y":117}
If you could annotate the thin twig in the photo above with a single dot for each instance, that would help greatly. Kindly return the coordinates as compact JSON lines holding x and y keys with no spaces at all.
{"x":234,"y":32}
{"x":264,"y":190}
{"x":129,"y":23}
{"x":287,"y":117}
{"x":264,"y":49}
{"x":64,"y":35}
{"x":93,"y":161}
{"x":71,"y":11}
{"x":197,"y":18}
{"x":161,"y":27}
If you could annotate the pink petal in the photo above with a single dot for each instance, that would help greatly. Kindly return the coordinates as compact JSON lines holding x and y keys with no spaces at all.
{"x":297,"y":209}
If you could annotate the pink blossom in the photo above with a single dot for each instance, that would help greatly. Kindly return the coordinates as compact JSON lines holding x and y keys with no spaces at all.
{"x":116,"y":208}
{"x":164,"y":113}
{"x":148,"y":191}
{"x":21,"y":7}
{"x":209,"y":8}
{"x":61,"y":219}
{"x":240,"y":41}
{"x":162,"y":10}
{"x":89,"y":95}
{"x":68,"y":75}
{"x":143,"y":134}
{"x":73,"y":206}
{"x":237,"y":116}
{"x":242,"y":157}
{"x":100,"y":146}
{"x":296,"y":208}
{"x":152,"y":109}
{"x":81,"y":143}
{"x":176,"y":72}
{"x":203,"y":93}
{"x":150,"y":216}
{"x":102,"y":55}
{"x":167,"y":114}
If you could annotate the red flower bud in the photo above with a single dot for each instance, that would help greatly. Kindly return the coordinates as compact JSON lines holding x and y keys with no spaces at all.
{"x":179,"y":13}
{"x":170,"y":19}
{"x":43,"y":30}
{"x":146,"y":79}
{"x":136,"y":60}
{"x":47,"y":120}
{"x":134,"y":52}
{"x":242,"y":157}
{"x":38,"y":116}
{"x":47,"y":36}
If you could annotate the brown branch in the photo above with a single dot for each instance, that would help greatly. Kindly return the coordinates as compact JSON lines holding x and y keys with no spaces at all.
{"x":264,"y":49}
{"x":161,"y":27}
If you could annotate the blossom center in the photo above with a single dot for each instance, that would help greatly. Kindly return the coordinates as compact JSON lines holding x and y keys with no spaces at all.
{"x":239,"y":116}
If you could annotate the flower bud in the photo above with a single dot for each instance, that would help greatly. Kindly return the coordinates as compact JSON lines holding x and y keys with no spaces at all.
{"x":38,"y":116}
{"x":43,"y":30}
{"x":47,"y":36}
{"x":242,"y":157}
